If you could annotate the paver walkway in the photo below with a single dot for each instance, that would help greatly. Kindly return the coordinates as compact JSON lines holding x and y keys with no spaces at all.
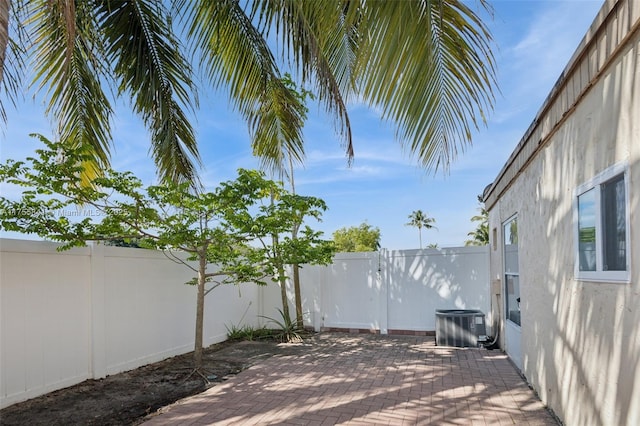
{"x":367,"y":380}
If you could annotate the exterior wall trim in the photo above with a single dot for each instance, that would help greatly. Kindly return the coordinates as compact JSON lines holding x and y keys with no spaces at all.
{"x":613,"y":27}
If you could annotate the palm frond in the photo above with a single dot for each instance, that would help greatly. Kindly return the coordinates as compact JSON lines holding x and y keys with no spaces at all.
{"x":4,"y":32}
{"x":278,"y":126}
{"x":317,"y":39}
{"x":235,"y":55}
{"x":233,"y":52}
{"x":147,"y":61}
{"x":4,"y":46}
{"x":429,"y":68}
{"x":12,"y":53}
{"x":68,"y":63}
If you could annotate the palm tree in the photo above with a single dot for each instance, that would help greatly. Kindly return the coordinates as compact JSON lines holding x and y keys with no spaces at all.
{"x":480,"y":235}
{"x":281,"y":161}
{"x":427,"y":66}
{"x":421,"y":220}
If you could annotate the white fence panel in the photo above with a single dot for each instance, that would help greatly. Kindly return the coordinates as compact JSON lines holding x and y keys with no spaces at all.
{"x":312,"y":278}
{"x":44,"y":319}
{"x":148,"y":310}
{"x":352,"y":292}
{"x":395,"y":290}
{"x":421,"y":281}
{"x":91,"y":312}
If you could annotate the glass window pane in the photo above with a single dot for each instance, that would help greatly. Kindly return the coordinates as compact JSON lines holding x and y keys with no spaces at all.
{"x":614,"y":225}
{"x":512,"y":283}
{"x":587,"y":230}
{"x":511,"y":247}
{"x":511,"y":279}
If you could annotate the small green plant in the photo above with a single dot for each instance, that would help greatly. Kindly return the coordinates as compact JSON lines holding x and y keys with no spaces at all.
{"x":287,"y":329}
{"x":247,"y":332}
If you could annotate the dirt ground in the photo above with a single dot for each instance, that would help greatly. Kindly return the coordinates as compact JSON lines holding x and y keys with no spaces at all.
{"x":127,"y":398}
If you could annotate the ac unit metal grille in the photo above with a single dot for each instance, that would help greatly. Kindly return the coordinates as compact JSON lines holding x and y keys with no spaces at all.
{"x":460,"y":327}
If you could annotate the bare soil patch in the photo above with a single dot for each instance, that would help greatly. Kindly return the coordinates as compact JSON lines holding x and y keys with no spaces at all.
{"x":127,"y":398}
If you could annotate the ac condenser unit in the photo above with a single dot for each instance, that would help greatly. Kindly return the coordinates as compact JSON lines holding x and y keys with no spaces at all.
{"x":460,"y":328}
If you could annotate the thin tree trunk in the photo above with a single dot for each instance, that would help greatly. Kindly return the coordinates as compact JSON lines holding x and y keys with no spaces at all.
{"x":282,"y":278}
{"x":202,"y":270}
{"x":298,"y":296}
{"x":296,"y":268}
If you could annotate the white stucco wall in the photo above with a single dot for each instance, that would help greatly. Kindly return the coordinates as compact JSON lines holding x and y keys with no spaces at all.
{"x":580,"y":339}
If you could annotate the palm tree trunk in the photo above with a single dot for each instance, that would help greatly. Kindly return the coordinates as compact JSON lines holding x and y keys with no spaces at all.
{"x":5,"y":6}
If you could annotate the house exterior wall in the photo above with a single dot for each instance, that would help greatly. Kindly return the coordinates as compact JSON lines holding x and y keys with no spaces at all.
{"x":580,"y":339}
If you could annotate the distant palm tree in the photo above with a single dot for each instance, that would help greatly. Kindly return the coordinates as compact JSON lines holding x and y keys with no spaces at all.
{"x":479,"y":236}
{"x":421,"y":220}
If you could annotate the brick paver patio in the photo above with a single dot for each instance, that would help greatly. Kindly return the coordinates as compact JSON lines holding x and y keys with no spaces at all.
{"x":361,"y":379}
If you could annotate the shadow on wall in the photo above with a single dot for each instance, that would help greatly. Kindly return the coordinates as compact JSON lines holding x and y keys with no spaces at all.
{"x":581,"y":340}
{"x":351,"y":291}
{"x":401,"y":290}
{"x":421,"y":281}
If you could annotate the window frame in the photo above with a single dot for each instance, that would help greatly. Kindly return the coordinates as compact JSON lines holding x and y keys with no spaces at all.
{"x":505,"y":273}
{"x":596,"y":182}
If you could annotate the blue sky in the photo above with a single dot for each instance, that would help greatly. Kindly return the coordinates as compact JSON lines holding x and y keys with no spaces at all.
{"x":534,"y":41}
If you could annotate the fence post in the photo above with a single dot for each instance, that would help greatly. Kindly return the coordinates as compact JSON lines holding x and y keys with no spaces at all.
{"x":316,"y":300}
{"x":97,"y":351}
{"x":383,"y":283}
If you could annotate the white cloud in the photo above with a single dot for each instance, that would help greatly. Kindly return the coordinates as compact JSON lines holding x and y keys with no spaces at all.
{"x":535,"y":61}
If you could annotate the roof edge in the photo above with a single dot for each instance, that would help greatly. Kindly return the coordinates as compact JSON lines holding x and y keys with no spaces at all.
{"x":610,"y":10}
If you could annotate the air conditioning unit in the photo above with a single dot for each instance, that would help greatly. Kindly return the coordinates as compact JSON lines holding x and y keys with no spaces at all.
{"x":460,"y":328}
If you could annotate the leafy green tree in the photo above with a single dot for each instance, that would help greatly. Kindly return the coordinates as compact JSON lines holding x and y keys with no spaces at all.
{"x":436,"y":56}
{"x":218,"y":227}
{"x":357,"y":238}
{"x":123,"y":242}
{"x":272,"y":228}
{"x":421,"y":220}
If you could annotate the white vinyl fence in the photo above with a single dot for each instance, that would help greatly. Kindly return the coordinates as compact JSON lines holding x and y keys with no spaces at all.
{"x":90,"y":312}
{"x":396,"y":291}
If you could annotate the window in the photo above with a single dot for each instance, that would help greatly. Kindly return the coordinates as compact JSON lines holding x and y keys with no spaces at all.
{"x":511,"y":271}
{"x":494,"y":239}
{"x":602,"y":227}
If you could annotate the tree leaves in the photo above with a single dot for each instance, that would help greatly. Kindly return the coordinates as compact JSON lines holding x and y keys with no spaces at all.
{"x":231,"y":225}
{"x":357,"y":238}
